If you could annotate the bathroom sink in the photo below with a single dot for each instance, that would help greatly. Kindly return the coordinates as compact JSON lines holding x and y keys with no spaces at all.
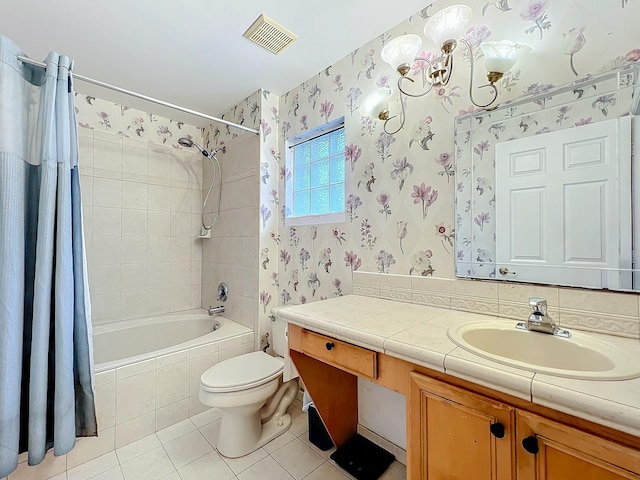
{"x":582,"y":356}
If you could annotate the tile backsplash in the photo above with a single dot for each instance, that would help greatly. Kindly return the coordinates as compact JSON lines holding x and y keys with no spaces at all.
{"x":611,"y":313}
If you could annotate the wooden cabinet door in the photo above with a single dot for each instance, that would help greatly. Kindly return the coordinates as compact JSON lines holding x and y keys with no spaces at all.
{"x":450,"y":434}
{"x":565,"y":453}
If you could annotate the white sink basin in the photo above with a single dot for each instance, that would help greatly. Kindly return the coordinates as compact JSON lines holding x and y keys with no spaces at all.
{"x":583,"y":356}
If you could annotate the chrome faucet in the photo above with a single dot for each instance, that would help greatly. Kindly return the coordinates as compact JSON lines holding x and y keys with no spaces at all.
{"x":540,"y":321}
{"x":215,"y":310}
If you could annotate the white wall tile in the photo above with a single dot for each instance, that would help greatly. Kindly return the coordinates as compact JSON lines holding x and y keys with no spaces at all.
{"x":158,"y":301}
{"x":134,"y":223}
{"x":133,"y":304}
{"x":172,"y":383}
{"x":197,"y":366}
{"x":107,"y":192}
{"x":158,"y":275}
{"x":172,"y":414}
{"x":172,"y":359}
{"x":159,"y":198}
{"x":181,"y":249}
{"x":105,"y":399}
{"x":180,"y":200}
{"x":134,"y":277}
{"x":107,"y":153}
{"x":85,"y":149}
{"x":134,"y":195}
{"x":159,"y":224}
{"x":105,"y":279}
{"x":106,"y":250}
{"x":159,"y":161}
{"x":196,"y":407}
{"x":135,"y":429}
{"x":134,"y":250}
{"x":135,"y":396}
{"x":181,"y":225}
{"x":159,"y":249}
{"x":135,"y":369}
{"x":109,"y":221}
{"x":135,"y":157}
{"x":105,"y":307}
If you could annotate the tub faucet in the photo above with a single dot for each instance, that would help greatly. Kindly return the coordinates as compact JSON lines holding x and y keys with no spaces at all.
{"x":215,"y":310}
{"x":540,"y":321}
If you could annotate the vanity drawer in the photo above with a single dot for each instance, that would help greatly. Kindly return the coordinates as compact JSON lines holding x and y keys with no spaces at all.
{"x":346,"y":356}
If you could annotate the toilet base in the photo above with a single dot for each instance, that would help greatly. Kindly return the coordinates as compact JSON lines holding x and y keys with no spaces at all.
{"x":241,"y":434}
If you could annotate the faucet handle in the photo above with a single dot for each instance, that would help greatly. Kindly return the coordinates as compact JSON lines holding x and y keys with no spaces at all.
{"x":538,"y":304}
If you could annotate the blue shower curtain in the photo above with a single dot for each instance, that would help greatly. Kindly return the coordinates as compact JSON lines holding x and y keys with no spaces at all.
{"x":46,"y":391}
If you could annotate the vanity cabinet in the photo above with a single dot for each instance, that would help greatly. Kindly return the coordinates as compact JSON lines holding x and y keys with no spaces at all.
{"x":557,"y":452}
{"x":461,"y":435}
{"x":456,"y":429}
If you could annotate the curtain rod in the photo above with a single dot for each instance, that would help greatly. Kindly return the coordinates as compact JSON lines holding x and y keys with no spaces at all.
{"x":143,"y":97}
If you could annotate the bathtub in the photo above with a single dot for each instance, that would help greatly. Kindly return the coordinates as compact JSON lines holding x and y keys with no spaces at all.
{"x":147,"y":371}
{"x":129,"y":341}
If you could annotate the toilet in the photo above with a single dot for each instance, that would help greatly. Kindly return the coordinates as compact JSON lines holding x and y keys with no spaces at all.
{"x":253,"y":399}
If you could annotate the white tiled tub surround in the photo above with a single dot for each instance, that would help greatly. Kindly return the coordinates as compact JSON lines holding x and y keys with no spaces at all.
{"x":231,"y":254}
{"x":137,"y":399}
{"x":141,"y":206}
{"x":599,"y":311}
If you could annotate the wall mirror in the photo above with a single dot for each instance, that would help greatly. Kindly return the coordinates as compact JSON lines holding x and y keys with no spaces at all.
{"x":546,"y":189}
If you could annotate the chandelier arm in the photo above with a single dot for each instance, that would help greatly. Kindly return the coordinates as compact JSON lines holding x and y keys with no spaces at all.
{"x":414,"y":95}
{"x":495,"y":89}
{"x":402,"y":115}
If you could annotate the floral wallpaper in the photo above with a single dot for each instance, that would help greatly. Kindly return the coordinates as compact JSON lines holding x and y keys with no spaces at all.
{"x":400,"y":188}
{"x":105,"y":116}
{"x":585,"y":101}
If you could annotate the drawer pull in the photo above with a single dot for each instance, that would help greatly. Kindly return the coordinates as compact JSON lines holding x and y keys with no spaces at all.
{"x":530,"y":444}
{"x":330,"y":345}
{"x":497,"y":429}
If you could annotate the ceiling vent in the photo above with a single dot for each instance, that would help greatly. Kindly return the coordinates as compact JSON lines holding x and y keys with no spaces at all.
{"x":269,"y":34}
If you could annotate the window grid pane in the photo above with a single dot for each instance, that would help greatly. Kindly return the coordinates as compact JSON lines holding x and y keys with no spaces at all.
{"x":319,"y":175}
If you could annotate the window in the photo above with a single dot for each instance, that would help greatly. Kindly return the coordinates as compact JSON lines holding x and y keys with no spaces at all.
{"x":315,"y":188}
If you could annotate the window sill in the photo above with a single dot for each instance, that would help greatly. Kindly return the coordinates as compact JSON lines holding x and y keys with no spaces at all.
{"x":315,"y":219}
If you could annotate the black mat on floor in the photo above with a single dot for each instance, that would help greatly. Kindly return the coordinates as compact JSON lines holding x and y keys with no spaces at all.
{"x":362,"y":458}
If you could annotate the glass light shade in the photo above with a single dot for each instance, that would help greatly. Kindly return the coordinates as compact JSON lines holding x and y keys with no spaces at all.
{"x":501,"y":56}
{"x":401,"y":50}
{"x":448,"y":24}
{"x":375,"y":102}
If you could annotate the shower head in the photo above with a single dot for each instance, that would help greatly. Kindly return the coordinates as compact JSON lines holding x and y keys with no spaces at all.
{"x":187,"y":142}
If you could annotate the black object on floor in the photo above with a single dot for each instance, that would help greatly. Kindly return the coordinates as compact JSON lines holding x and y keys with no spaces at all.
{"x":318,"y":434}
{"x":362,"y":458}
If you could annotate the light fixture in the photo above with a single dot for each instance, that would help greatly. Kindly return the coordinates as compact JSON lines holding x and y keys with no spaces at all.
{"x":445,"y":28}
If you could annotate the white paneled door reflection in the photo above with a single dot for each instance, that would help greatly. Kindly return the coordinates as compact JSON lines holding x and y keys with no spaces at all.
{"x":563,"y":206}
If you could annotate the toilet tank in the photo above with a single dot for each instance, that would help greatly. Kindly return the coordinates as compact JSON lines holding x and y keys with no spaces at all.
{"x":280,"y":342}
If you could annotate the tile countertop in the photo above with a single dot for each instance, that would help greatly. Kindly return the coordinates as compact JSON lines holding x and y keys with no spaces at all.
{"x":418,"y":334}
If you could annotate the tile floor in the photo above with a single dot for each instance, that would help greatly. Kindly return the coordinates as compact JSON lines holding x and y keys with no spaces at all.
{"x":186,"y":451}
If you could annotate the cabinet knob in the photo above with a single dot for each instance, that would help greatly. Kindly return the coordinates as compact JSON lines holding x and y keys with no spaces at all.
{"x":497,"y":429}
{"x":530,"y":444}
{"x":330,"y":345}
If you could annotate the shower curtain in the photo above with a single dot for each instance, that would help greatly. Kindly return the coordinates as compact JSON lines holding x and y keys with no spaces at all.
{"x":46,"y":391}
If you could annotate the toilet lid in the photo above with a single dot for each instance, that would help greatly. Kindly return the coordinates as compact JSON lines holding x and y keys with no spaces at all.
{"x":243,"y":371}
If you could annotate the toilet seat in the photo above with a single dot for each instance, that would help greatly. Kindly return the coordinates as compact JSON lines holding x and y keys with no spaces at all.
{"x":242,"y":372}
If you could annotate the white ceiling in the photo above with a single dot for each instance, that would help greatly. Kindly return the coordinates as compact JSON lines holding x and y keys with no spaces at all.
{"x":192,"y":53}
